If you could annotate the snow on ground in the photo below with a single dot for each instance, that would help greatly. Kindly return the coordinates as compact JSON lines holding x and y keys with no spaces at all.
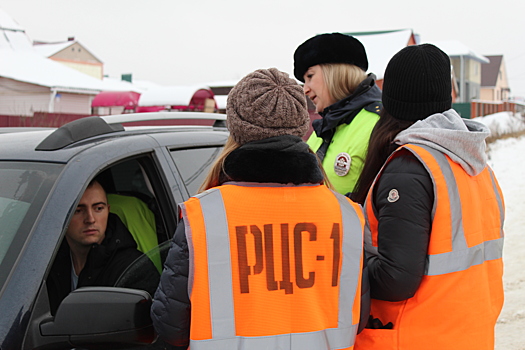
{"x":507,"y":159}
{"x":503,"y":123}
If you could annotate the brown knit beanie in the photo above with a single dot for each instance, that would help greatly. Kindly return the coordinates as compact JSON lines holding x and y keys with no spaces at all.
{"x":266,"y":103}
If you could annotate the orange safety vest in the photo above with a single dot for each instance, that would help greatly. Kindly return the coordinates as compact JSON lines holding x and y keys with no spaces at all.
{"x":461,"y":295}
{"x":272,"y":268}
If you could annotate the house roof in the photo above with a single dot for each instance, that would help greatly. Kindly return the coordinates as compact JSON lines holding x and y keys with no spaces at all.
{"x":221,"y":101}
{"x":221,"y":83}
{"x":455,"y":48}
{"x":29,"y":67}
{"x":12,"y":35}
{"x":19,"y":61}
{"x":380,"y":46}
{"x":50,"y":49}
{"x":490,"y":71}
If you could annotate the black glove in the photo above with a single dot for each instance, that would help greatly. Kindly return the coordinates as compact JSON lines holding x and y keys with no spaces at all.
{"x":375,"y":323}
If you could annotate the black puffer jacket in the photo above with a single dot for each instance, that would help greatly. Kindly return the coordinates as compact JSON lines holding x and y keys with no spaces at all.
{"x":262,"y":161}
{"x":104,"y":266}
{"x":405,"y":227}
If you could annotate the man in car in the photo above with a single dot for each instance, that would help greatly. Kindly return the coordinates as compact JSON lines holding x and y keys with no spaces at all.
{"x":97,"y":249}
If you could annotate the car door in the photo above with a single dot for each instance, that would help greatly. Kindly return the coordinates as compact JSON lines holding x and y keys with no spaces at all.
{"x":140,"y":177}
{"x":157,"y":172}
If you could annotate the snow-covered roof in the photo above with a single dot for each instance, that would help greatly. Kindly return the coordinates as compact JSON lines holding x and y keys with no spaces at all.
{"x":12,"y":35}
{"x":19,"y":61}
{"x":169,"y":95}
{"x":49,"y":49}
{"x":455,"y":48}
{"x":121,"y":85}
{"x":381,"y":46}
{"x":221,"y":83}
{"x":145,"y":84}
{"x":7,"y":21}
{"x":221,"y":101}
{"x":29,"y":67}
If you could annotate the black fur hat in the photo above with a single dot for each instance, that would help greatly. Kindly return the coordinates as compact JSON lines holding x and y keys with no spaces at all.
{"x":329,"y":48}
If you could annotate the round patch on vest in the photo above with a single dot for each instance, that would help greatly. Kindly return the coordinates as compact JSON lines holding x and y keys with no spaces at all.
{"x":393,"y":196}
{"x":342,"y":164}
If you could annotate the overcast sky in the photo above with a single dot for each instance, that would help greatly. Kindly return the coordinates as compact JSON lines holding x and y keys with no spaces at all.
{"x":179,"y":42}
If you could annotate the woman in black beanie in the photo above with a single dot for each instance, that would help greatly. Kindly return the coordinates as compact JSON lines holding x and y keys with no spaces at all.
{"x":435,"y":216}
{"x":333,"y":69}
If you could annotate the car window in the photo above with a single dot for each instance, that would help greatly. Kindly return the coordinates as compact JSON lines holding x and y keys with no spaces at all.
{"x":141,"y":177}
{"x":138,"y":274}
{"x":137,"y":202}
{"x":193,"y":165}
{"x":129,"y":177}
{"x":24,"y":188}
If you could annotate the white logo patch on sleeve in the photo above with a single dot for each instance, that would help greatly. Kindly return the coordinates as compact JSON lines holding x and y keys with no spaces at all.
{"x":393,"y":196}
{"x":342,"y":164}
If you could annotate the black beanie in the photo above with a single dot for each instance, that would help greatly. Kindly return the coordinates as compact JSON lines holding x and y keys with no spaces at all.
{"x":417,"y":83}
{"x":329,"y":48}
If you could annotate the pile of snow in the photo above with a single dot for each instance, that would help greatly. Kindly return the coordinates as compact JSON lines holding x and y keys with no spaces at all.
{"x":503,"y":123}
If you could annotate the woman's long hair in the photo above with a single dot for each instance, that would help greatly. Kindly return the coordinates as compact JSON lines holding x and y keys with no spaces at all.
{"x":341,"y":79}
{"x":380,"y":147}
{"x":217,"y":169}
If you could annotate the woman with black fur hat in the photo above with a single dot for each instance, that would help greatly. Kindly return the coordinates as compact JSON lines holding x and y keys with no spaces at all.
{"x":435,"y":216}
{"x":333,"y":69}
{"x":267,"y":256}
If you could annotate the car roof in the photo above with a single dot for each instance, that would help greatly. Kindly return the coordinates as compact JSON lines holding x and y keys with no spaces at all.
{"x":61,"y":144}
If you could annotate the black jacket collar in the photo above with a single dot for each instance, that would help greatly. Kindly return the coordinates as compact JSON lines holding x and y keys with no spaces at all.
{"x":281,"y":159}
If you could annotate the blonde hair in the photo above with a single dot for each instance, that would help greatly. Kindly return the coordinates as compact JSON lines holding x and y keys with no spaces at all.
{"x":341,"y":79}
{"x":326,"y":181}
{"x":212,"y":179}
{"x":217,"y":168}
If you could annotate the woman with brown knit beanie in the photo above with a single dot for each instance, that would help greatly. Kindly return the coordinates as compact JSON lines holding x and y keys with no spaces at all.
{"x":333,"y":69}
{"x":435,"y":216}
{"x":266,"y":256}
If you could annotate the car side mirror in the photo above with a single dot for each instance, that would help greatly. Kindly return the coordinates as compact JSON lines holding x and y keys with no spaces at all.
{"x":93,"y":316}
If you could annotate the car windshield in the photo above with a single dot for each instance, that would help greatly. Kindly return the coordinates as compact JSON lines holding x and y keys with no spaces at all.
{"x":24,"y":186}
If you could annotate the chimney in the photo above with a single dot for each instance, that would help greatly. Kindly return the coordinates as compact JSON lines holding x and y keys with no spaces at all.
{"x":71,"y":38}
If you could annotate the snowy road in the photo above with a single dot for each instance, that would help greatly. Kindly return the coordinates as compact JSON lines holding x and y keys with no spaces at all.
{"x":507,"y":158}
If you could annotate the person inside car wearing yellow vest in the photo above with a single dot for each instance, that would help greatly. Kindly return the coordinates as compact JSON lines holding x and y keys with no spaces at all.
{"x":333,"y":69}
{"x":435,"y":216}
{"x":266,"y":256}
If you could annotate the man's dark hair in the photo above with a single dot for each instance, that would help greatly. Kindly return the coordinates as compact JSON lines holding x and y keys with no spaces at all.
{"x":95,"y":180}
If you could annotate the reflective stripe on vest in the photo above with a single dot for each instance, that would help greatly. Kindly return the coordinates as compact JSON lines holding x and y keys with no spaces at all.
{"x":221,"y":290}
{"x":457,"y":260}
{"x":461,"y":257}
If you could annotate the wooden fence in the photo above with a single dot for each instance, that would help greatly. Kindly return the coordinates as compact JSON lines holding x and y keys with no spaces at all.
{"x":39,"y":119}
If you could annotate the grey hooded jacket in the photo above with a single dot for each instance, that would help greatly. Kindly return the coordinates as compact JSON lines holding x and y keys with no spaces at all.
{"x":403,"y":234}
